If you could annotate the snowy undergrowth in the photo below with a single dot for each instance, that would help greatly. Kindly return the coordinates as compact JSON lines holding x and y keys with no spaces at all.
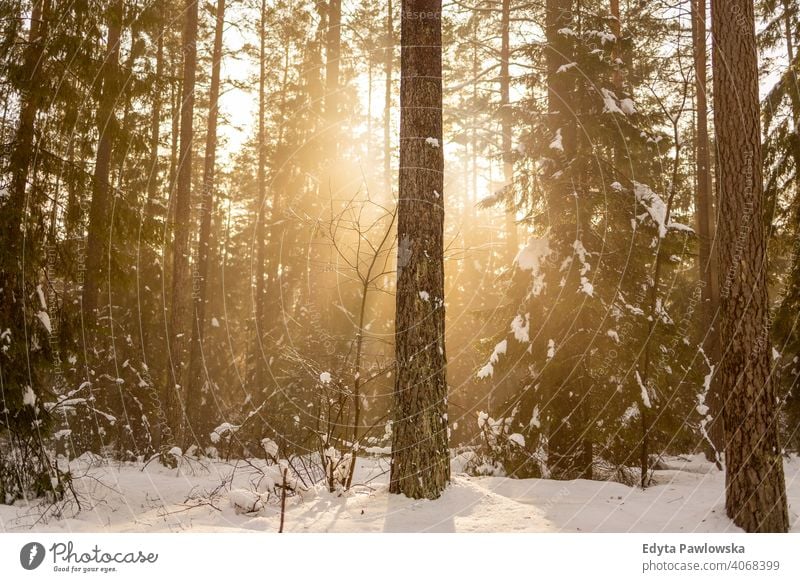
{"x":202,"y":496}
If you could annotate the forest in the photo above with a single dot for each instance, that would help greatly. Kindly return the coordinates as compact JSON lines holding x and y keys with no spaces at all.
{"x":257,"y":253}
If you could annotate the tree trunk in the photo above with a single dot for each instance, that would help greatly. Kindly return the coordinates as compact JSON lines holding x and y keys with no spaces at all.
{"x":616,"y":29}
{"x":420,"y":459}
{"x":755,"y":485}
{"x":96,"y":247}
{"x":261,"y":214}
{"x":20,"y":159}
{"x":333,"y":51}
{"x":197,"y":369}
{"x":155,"y":118}
{"x":707,"y":259}
{"x":182,"y":292}
{"x":387,"y":101}
{"x":506,"y":129}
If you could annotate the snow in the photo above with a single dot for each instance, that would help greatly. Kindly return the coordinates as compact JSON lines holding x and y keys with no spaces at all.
{"x":602,"y":35}
{"x":517,"y":439}
{"x":612,"y":333}
{"x":564,"y":69}
{"x":40,"y":294}
{"x":627,"y":106}
{"x":521,"y":328}
{"x":214,"y":322}
{"x":270,"y":447}
{"x":245,"y":501}
{"x":424,"y":295}
{"x":325,"y":377}
{"x":581,"y":251}
{"x":657,"y":209}
{"x":557,"y":143}
{"x":28,"y":397}
{"x":645,"y":393}
{"x":566,"y":32}
{"x":688,"y":496}
{"x":530,"y":258}
{"x":535,"y":420}
{"x":488,"y":369}
{"x":45,"y":319}
{"x":225,"y":430}
{"x":551,"y":349}
{"x":610,"y":102}
{"x":586,"y":287}
{"x":432,"y":141}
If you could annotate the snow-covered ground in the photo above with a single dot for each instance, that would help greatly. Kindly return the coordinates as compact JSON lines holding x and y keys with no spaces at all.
{"x":218,"y":496}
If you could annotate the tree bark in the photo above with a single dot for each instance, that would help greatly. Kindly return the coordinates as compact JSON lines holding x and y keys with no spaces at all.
{"x":261,"y":215}
{"x":616,"y":29}
{"x":704,"y":202}
{"x":96,"y":247}
{"x":506,"y":122}
{"x":420,"y":459}
{"x":20,"y":159}
{"x":333,"y":51}
{"x":197,"y":370}
{"x":755,"y":485}
{"x":387,"y":100}
{"x":182,"y":292}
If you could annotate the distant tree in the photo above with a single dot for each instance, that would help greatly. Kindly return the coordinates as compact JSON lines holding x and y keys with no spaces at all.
{"x":181,"y":295}
{"x":199,"y":382}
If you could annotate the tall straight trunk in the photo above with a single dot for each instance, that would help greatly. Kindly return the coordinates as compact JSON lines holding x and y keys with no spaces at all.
{"x":155,"y":119}
{"x":387,"y":100}
{"x":420,"y":461}
{"x":474,"y":129}
{"x":333,"y":50}
{"x":794,"y":96}
{"x":616,"y":29}
{"x":559,"y":15}
{"x":22,"y":152}
{"x":182,"y":293}
{"x":99,"y":227}
{"x":755,"y":485}
{"x":197,"y":376}
{"x":704,"y":203}
{"x":261,"y":215}
{"x":506,"y":123}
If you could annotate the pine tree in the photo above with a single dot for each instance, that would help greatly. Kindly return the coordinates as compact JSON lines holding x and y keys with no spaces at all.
{"x":181,"y":292}
{"x":420,"y":459}
{"x":199,"y":382}
{"x":755,"y":486}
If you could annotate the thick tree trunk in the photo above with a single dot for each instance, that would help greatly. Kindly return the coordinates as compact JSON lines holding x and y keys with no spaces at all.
{"x":704,"y":202}
{"x":182,"y":293}
{"x":755,"y":485}
{"x":96,"y":244}
{"x":198,"y":379}
{"x":420,"y":459}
